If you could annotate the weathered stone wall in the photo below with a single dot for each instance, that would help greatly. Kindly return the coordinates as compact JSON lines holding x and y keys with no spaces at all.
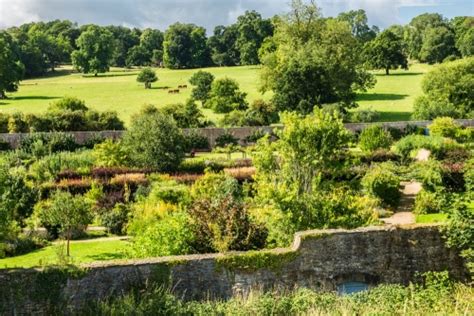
{"x":212,"y":133}
{"x":317,"y":260}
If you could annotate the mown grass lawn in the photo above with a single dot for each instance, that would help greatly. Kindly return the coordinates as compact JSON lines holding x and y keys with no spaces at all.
{"x":81,"y":252}
{"x":432,"y":218}
{"x":118,"y":90}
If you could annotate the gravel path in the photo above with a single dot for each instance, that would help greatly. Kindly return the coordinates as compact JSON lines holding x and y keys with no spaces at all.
{"x":404,"y":215}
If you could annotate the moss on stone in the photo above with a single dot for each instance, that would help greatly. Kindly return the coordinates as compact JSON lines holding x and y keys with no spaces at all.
{"x":255,"y":260}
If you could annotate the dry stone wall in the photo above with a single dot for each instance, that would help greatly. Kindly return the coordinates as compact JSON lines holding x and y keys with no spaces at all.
{"x":212,"y":133}
{"x":317,"y":259}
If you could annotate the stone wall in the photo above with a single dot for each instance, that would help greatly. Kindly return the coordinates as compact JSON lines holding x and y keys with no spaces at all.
{"x":317,"y":260}
{"x":212,"y":133}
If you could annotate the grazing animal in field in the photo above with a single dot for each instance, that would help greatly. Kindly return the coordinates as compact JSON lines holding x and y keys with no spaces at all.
{"x":183,"y":86}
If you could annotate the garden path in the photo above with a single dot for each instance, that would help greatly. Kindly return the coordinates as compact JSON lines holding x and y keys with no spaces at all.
{"x":404,"y":215}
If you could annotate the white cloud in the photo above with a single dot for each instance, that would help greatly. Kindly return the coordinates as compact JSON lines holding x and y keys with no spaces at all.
{"x":208,"y":13}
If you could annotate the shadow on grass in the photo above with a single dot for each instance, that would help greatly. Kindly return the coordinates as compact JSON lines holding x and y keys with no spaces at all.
{"x":398,"y":74}
{"x":111,"y":75}
{"x":380,"y":96}
{"x":33,"y":97}
{"x":394,"y":116}
{"x":107,"y":256}
{"x":160,"y":88}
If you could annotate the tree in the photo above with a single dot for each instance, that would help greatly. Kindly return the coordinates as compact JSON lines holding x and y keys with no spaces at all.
{"x":186,"y":115}
{"x":386,"y":52}
{"x":464,"y":31}
{"x":11,"y":70}
{"x":152,"y":42}
{"x":252,"y":30}
{"x":317,"y":62}
{"x":185,"y":46}
{"x":448,"y":91}
{"x":438,"y":43}
{"x":222,"y":46}
{"x":225,"y":96}
{"x":125,"y":40}
{"x":154,"y":141}
{"x":147,"y":76}
{"x":415,"y":31}
{"x":357,"y":19}
{"x":69,"y":212}
{"x":202,"y":80}
{"x":95,"y":50}
{"x":137,"y":56}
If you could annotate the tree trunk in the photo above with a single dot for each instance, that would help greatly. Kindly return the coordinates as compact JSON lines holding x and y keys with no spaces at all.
{"x":95,"y":74}
{"x":2,"y":95}
{"x":67,"y":243}
{"x":387,"y":69}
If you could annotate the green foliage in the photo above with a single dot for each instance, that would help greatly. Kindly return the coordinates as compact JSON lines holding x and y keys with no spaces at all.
{"x":68,"y":212}
{"x":460,"y":230}
{"x":386,"y":52}
{"x":225,"y":96}
{"x":364,"y":116}
{"x":381,"y":183}
{"x":68,"y":104}
{"x":226,"y":139}
{"x":95,"y":49}
{"x":116,"y":219}
{"x":154,"y":141}
{"x":110,"y":154}
{"x":427,"y":202}
{"x":11,"y":71}
{"x":186,"y":115}
{"x":448,"y":91}
{"x":373,"y":138}
{"x":405,"y":146}
{"x":195,"y":141}
{"x":202,"y":80}
{"x":317,"y":62}
{"x":184,"y":46}
{"x":42,"y":144}
{"x":438,"y":295}
{"x":438,"y":43}
{"x":445,"y":127}
{"x":164,"y":235}
{"x":147,"y":76}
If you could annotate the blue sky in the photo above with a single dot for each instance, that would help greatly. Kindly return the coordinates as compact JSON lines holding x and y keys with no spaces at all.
{"x":209,"y":13}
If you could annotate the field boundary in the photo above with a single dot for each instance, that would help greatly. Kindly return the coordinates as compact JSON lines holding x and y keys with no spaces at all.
{"x":212,"y":133}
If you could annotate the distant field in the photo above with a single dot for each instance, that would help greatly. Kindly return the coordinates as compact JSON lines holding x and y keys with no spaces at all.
{"x":119,"y":91}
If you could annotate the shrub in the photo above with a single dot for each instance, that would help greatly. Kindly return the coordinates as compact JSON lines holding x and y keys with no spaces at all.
{"x":405,"y":146}
{"x":374,"y":137}
{"x":225,"y":96}
{"x":195,"y":165}
{"x":223,"y":224}
{"x":165,"y":235}
{"x":116,"y":219}
{"x":382,"y":184}
{"x":169,"y":192}
{"x":4,"y":122}
{"x":41,"y":144}
{"x":444,"y":127}
{"x":110,"y":154}
{"x":364,"y":116}
{"x":226,"y":139}
{"x":154,"y":141}
{"x":196,"y":141}
{"x":469,"y":176}
{"x":380,"y":155}
{"x":427,"y":202}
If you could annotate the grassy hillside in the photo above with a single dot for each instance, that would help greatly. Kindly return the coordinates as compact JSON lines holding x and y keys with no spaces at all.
{"x":119,"y":91}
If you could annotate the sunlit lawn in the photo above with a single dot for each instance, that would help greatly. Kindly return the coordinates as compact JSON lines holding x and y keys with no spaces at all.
{"x":118,"y":90}
{"x":81,"y":252}
{"x":432,"y":218}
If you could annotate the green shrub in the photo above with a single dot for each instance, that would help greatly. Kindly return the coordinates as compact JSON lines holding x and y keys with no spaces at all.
{"x":4,"y":122}
{"x":169,"y":191}
{"x":154,"y":141}
{"x":196,"y":141}
{"x":116,"y":219}
{"x":383,"y":184}
{"x":226,"y":139}
{"x":364,"y":116}
{"x":436,"y":144}
{"x":194,"y":165}
{"x":110,"y":154}
{"x":374,"y":137}
{"x":444,"y":127}
{"x":427,"y":202}
{"x":166,"y":235}
{"x":41,"y":144}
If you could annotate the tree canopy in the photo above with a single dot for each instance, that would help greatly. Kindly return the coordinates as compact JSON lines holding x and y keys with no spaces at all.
{"x":386,"y":52}
{"x":11,"y":69}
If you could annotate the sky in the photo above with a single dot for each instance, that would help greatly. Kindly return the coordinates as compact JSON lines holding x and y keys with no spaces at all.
{"x":209,"y":13}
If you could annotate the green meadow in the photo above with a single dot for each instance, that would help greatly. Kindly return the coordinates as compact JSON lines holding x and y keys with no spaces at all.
{"x":118,"y":90}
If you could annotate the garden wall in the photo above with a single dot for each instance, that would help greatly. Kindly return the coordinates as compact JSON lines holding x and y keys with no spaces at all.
{"x":212,"y":133}
{"x":317,"y":260}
